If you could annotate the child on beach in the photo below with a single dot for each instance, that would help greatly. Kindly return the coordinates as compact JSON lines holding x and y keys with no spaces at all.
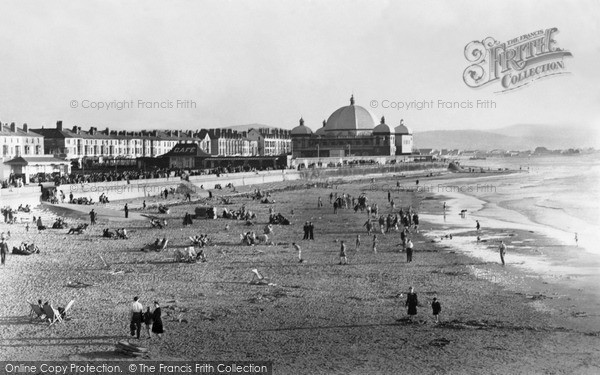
{"x":436,"y":307}
{"x":148,"y":321}
{"x":375,"y":243}
{"x":357,"y":242}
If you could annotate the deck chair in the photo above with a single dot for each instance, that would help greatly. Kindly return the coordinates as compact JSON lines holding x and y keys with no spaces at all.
{"x":258,"y":279}
{"x":36,"y":312}
{"x":52,"y":315}
{"x":67,"y":308}
{"x":163,"y":245}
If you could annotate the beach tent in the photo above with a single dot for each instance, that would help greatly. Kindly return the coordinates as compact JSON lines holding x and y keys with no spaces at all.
{"x":205,"y":212}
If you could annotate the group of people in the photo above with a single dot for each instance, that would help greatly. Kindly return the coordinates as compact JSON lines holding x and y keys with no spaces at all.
{"x":309,"y":229}
{"x":151,"y":319}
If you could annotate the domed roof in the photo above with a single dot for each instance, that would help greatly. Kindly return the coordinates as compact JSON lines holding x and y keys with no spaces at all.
{"x":382,"y":128}
{"x":321,"y":130}
{"x":402,"y":129}
{"x":301,"y":129}
{"x":350,"y":118}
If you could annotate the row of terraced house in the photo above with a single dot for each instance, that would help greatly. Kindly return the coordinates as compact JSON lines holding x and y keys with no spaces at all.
{"x":53,"y":148}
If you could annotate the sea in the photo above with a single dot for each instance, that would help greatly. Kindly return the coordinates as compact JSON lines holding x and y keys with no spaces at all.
{"x":557,"y":196}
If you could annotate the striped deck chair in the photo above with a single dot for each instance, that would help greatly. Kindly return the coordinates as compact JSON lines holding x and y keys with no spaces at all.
{"x":52,"y":315}
{"x":69,"y":305}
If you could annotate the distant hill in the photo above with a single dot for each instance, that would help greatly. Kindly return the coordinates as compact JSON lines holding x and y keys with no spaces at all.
{"x":515,"y":137}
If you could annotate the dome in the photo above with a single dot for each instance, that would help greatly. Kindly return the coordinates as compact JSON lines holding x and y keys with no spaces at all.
{"x":402,"y":129}
{"x":382,"y":128}
{"x":321,"y":130}
{"x":351,"y":119}
{"x":301,"y":129}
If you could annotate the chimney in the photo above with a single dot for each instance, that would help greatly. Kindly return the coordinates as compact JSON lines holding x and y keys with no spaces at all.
{"x":107,"y":131}
{"x":92,"y":131}
{"x":59,"y":125}
{"x":25,"y":128}
{"x":79,"y":130}
{"x":13,"y":127}
{"x":75,"y":129}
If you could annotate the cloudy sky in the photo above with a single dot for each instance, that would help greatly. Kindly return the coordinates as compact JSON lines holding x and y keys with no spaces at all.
{"x":271,"y":62}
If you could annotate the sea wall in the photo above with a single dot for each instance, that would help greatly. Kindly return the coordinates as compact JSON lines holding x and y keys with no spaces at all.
{"x":122,"y":190}
{"x":388,"y":170}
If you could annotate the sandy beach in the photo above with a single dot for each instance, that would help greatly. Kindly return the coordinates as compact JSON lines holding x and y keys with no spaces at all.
{"x":318,"y":316}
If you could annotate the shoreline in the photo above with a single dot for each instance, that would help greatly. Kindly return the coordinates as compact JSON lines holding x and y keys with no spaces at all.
{"x":320,"y":315}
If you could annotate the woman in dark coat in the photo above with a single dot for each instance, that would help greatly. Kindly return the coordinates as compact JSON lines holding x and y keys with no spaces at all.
{"x":412,"y":302}
{"x":157,"y":327}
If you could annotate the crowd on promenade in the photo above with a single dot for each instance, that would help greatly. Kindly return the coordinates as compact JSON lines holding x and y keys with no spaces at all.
{"x":122,"y":175}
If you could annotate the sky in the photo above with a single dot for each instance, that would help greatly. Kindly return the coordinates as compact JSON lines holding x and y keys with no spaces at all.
{"x":271,"y":62}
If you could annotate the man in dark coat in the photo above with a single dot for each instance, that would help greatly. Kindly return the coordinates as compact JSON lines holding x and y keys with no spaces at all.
{"x":126,"y":211}
{"x":311,"y":229}
{"x":305,"y":231}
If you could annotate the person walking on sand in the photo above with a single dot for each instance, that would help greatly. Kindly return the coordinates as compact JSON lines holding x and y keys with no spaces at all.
{"x":444,"y":206}
{"x":157,"y":327}
{"x":343,"y":258}
{"x":144,"y":205}
{"x":576,"y":240}
{"x":92,"y":217}
{"x":319,"y":203}
{"x":3,"y":249}
{"x":411,"y":303}
{"x":409,"y":250}
{"x":305,"y":231}
{"x":126,"y":211}
{"x":369,"y":226}
{"x":136,"y":317}
{"x":148,"y":321}
{"x":375,"y":241}
{"x":502,"y":250}
{"x":311,"y":231}
{"x":478,"y":226}
{"x":416,"y":222}
{"x":436,"y":308}
{"x":357,"y":242}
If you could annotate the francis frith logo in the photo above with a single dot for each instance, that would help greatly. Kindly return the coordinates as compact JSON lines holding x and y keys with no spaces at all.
{"x":515,"y":63}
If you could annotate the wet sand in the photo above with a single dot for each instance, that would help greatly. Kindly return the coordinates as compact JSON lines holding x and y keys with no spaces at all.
{"x":320,"y":317}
